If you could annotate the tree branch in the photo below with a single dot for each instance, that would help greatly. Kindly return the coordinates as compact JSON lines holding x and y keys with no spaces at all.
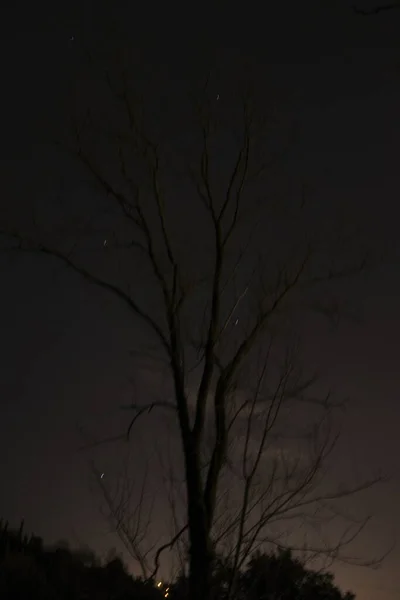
{"x":376,"y":9}
{"x":116,"y":290}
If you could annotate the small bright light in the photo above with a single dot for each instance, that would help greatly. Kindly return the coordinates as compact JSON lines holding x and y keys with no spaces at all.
{"x":159,"y":584}
{"x":166,"y":595}
{"x":101,"y":476}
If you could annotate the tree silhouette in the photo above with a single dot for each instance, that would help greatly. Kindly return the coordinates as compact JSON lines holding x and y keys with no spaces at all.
{"x":32,"y":570}
{"x":28,"y":569}
{"x":275,"y":576}
{"x":281,"y":576}
{"x":225,"y":321}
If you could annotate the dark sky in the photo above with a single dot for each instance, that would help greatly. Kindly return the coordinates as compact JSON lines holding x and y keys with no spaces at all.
{"x":65,"y":346}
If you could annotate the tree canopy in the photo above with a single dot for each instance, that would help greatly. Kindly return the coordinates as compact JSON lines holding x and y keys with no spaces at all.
{"x":29,"y":569}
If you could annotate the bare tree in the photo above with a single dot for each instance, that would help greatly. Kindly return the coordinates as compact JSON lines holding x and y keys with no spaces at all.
{"x":129,"y":516}
{"x":256,"y":432}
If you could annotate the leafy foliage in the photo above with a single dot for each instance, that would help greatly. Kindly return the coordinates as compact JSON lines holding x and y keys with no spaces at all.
{"x":29,"y":569}
{"x":281,"y":576}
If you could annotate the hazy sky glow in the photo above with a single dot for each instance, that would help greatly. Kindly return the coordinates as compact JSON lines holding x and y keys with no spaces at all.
{"x":331,"y":78}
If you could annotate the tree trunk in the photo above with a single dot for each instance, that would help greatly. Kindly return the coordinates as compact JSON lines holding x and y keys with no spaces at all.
{"x":200,"y":571}
{"x":200,"y":561}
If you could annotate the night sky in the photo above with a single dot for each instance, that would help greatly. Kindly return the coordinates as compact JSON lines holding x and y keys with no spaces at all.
{"x":333,"y":78}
